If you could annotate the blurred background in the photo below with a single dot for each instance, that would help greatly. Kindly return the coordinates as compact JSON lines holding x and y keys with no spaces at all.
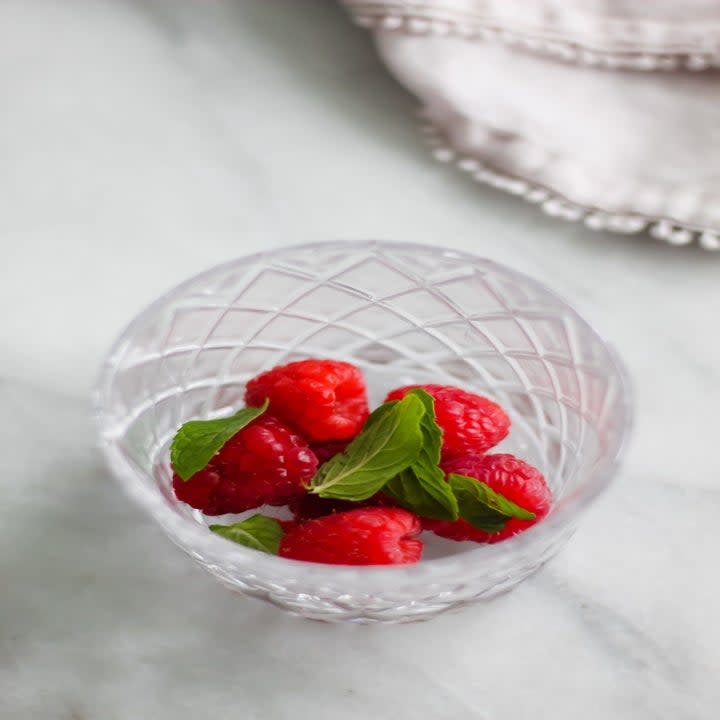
{"x":142,"y":141}
{"x":145,"y":140}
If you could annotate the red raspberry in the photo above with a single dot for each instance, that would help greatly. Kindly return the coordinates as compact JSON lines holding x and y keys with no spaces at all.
{"x":470,"y":423}
{"x":287,"y":525}
{"x":368,"y":536}
{"x":505,"y":474}
{"x":309,"y":506}
{"x":263,"y":464}
{"x":326,"y":451}
{"x":199,"y":490}
{"x":322,"y":399}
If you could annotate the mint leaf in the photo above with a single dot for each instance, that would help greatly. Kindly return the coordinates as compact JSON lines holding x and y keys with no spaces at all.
{"x":388,"y":444}
{"x":430,"y":499}
{"x":197,"y":441}
{"x":258,"y":532}
{"x":422,"y":487}
{"x":482,"y":507}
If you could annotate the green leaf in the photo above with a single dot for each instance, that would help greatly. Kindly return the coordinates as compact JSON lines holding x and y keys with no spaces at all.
{"x":482,"y":507}
{"x":388,"y":444}
{"x":258,"y":532}
{"x":197,"y":441}
{"x":422,"y":487}
{"x":427,"y":498}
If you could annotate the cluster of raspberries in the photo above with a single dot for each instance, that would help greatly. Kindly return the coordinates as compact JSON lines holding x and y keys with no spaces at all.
{"x":316,"y":407}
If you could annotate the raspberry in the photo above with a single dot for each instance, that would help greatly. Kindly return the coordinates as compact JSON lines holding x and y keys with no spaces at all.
{"x":309,"y":506}
{"x":470,"y":423}
{"x":287,"y":525}
{"x":326,"y":451}
{"x":322,"y":399}
{"x":264,"y":464}
{"x":367,"y":536}
{"x":199,"y":490}
{"x":507,"y":475}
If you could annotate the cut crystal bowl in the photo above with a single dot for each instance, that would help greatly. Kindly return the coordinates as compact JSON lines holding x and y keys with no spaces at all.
{"x":404,"y":314}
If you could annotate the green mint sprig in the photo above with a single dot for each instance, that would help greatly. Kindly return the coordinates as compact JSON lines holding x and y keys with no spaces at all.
{"x":388,"y":444}
{"x":421,"y":488}
{"x":197,"y":441}
{"x":482,"y":507}
{"x":398,"y":452}
{"x":258,"y":532}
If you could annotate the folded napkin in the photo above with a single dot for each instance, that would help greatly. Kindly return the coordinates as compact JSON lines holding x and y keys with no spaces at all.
{"x":605,"y":111}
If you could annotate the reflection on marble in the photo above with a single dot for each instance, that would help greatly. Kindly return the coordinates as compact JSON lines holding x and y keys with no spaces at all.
{"x":145,"y":139}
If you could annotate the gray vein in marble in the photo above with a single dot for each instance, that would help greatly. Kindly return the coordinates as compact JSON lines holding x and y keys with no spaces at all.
{"x":659,"y":682}
{"x":162,"y":17}
{"x":623,"y":639}
{"x":449,"y":692}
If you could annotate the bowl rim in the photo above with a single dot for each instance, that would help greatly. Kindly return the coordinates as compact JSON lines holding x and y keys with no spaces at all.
{"x":192,"y":536}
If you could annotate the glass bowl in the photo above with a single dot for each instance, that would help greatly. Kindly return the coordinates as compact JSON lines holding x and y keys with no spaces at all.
{"x":405,"y":314}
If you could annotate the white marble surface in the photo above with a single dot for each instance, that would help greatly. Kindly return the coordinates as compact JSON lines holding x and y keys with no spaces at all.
{"x":142,"y":140}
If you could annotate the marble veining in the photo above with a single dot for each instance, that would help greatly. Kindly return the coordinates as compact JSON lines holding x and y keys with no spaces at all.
{"x":143,"y":141}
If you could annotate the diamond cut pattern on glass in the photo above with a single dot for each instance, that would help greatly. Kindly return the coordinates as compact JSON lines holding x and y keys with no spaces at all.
{"x":473,"y":327}
{"x":404,"y":314}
